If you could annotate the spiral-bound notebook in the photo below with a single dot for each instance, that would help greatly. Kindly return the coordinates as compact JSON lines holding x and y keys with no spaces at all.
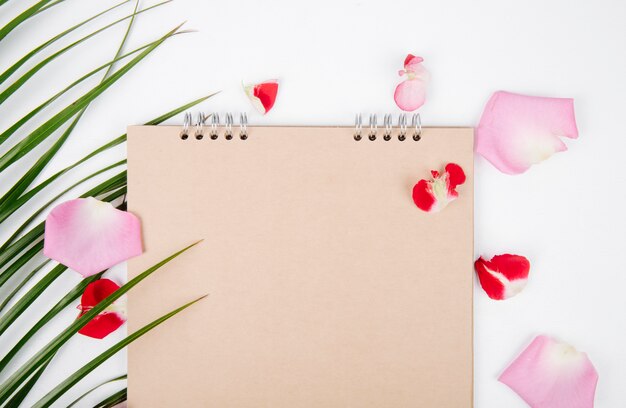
{"x":327,"y":287}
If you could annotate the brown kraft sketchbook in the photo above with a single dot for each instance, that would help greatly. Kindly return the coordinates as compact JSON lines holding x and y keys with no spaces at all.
{"x":327,"y":287}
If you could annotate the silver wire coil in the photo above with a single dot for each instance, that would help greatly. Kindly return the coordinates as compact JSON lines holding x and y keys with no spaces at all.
{"x":229,"y":125}
{"x":416,"y":126}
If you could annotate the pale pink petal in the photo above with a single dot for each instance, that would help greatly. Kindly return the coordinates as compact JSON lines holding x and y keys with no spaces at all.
{"x":410,"y":94}
{"x":549,"y":374}
{"x":517,"y":131}
{"x":90,"y":236}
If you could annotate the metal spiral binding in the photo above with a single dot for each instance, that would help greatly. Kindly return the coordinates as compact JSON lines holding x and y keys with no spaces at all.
{"x":229,"y":123}
{"x":184,"y":133}
{"x":416,"y":123}
{"x":215,"y":122}
{"x":373,"y":128}
{"x":358,"y":127}
{"x":243,"y":126}
{"x":200,"y":126}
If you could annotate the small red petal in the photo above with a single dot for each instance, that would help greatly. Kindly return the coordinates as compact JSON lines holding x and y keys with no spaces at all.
{"x":102,"y":325}
{"x":106,"y":322}
{"x":97,"y":291}
{"x":456,"y":175}
{"x":490,"y":284}
{"x":434,"y":173}
{"x":266,"y":92}
{"x":512,"y":266}
{"x":503,"y":276}
{"x":423,"y":196}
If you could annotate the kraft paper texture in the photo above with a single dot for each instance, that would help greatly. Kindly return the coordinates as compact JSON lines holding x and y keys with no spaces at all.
{"x":327,"y":287}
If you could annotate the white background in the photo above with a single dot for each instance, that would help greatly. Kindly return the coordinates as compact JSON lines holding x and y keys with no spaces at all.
{"x":337,"y":58}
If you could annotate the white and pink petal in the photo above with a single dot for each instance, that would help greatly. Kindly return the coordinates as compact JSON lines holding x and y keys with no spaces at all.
{"x":551,"y":374}
{"x":89,"y":236}
{"x":517,"y":131}
{"x":503,"y":276}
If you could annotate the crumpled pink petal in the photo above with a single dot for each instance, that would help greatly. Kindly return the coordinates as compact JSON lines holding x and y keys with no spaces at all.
{"x":503,"y":276}
{"x":517,"y":131}
{"x":110,"y":319}
{"x":410,"y":94}
{"x":90,"y":236}
{"x":262,"y":95}
{"x":549,"y":374}
{"x":435,"y":194}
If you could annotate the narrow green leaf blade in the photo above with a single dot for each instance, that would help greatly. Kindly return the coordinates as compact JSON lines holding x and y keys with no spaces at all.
{"x":120,"y":378}
{"x":28,"y":368}
{"x":46,"y":129}
{"x":67,"y":300}
{"x":65,"y":385}
{"x":115,"y":399}
{"x":9,"y":71}
{"x":4,"y":95}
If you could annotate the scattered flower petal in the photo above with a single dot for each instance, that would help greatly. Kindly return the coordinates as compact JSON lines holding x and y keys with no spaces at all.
{"x":504,"y":276}
{"x":517,"y":131}
{"x":108,"y":320}
{"x":549,"y":374}
{"x":90,"y":236}
{"x":410,"y":94}
{"x":435,"y":194}
{"x":263,"y":95}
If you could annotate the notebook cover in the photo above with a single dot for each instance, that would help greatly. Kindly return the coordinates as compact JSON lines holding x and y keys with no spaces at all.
{"x":327,"y":286}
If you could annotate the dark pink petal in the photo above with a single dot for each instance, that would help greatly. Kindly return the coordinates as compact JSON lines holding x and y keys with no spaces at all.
{"x":411,"y":62}
{"x":517,"y":131}
{"x":435,"y":194}
{"x":107,"y":321}
{"x":263,"y":95}
{"x":504,"y":276}
{"x":549,"y":374}
{"x":90,"y":236}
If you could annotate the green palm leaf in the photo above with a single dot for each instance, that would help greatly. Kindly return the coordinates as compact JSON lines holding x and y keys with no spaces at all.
{"x":25,"y":15}
{"x":120,"y":378}
{"x":6,"y":74}
{"x":46,"y":129}
{"x":67,"y":300}
{"x":4,"y":95}
{"x":9,"y":386}
{"x":58,"y":391}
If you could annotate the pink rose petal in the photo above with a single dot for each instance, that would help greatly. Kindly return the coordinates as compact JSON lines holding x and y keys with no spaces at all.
{"x":503,"y":276}
{"x":549,"y":374}
{"x":517,"y":131}
{"x":410,"y":94}
{"x":107,"y":321}
{"x":90,"y":236}
{"x":263,"y":95}
{"x":435,"y":194}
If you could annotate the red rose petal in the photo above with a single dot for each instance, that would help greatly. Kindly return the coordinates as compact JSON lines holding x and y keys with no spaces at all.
{"x":423,"y":196}
{"x":263,"y":95}
{"x":456,"y":175}
{"x":504,"y":276}
{"x":435,"y":194}
{"x":107,"y":321}
{"x":102,"y":325}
